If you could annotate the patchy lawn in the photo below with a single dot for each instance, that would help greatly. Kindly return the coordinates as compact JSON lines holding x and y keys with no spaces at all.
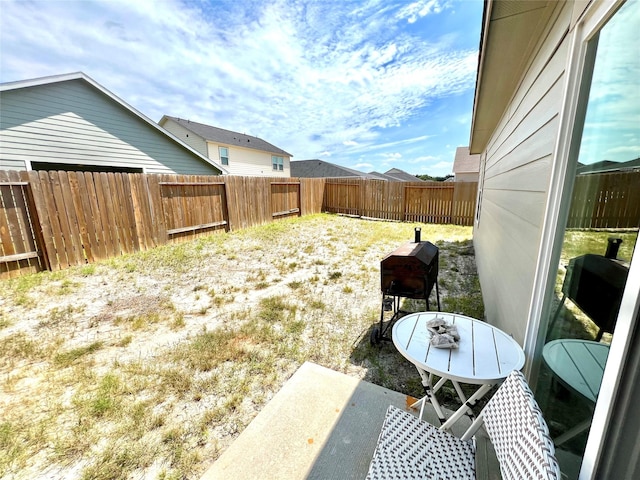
{"x":150,"y":365}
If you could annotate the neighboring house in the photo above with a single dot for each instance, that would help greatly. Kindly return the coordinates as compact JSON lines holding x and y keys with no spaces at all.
{"x":607,"y":166}
{"x":537,"y":74}
{"x":320,"y":169}
{"x":382,"y":176}
{"x":466,"y":167}
{"x":70,"y":122}
{"x":240,"y":154}
{"x":402,"y":176}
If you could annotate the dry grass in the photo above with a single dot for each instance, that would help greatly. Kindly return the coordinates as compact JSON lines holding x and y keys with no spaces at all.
{"x":149,"y":365}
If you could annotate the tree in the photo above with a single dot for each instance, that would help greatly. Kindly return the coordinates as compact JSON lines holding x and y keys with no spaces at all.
{"x":429,"y":178}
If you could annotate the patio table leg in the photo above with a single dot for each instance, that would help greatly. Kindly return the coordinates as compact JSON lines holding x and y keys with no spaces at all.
{"x":569,"y":434}
{"x":481,"y":392}
{"x":463,"y":399}
{"x":437,"y":387}
{"x":430,"y":396}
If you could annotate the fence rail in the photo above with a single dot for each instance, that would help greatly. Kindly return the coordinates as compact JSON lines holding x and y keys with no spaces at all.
{"x":51,"y":220}
{"x":426,"y":202}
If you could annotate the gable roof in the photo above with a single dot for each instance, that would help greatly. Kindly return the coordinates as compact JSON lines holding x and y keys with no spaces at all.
{"x":402,"y":176}
{"x":8,"y":86}
{"x":226,"y":137}
{"x":320,"y":169}
{"x":606,"y":166}
{"x":465,"y":162}
{"x":382,"y":176}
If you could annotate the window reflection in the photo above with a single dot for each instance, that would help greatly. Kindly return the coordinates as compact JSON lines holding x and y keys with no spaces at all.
{"x":601,"y":231}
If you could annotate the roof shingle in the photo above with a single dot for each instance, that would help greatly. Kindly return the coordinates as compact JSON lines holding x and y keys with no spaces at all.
{"x":228,"y":137}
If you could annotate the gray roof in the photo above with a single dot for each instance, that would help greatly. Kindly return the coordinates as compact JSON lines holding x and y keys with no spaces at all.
{"x":382,"y":176}
{"x":227,"y":137}
{"x":608,"y":166}
{"x":320,"y":169}
{"x":402,"y":176}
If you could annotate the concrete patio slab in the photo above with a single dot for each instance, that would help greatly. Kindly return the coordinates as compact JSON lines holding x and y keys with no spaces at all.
{"x":322,"y":424}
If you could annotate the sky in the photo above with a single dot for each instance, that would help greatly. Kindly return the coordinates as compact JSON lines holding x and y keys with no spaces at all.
{"x":612,"y":123}
{"x":366,"y":84}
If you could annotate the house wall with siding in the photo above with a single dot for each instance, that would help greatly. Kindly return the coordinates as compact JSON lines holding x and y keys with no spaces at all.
{"x":249,"y":162}
{"x":516,"y":166}
{"x":193,"y":140}
{"x":242,"y":161}
{"x":72,"y":122}
{"x":466,"y":177}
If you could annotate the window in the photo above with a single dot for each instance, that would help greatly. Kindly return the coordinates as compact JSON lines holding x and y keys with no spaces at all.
{"x":278,"y":163}
{"x":224,"y":155}
{"x":598,"y":238}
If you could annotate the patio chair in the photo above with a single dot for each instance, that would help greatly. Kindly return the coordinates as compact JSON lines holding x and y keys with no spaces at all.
{"x":409,"y":448}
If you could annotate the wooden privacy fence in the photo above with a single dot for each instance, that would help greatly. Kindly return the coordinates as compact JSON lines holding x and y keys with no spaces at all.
{"x":606,"y":200}
{"x":426,"y":202}
{"x":50,"y":220}
{"x":56,"y":219}
{"x":53,"y":220}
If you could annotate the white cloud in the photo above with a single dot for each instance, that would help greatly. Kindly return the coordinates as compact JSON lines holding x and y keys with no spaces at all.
{"x":424,"y":159}
{"x":630,"y":149}
{"x":313,"y":77}
{"x":420,"y":9}
{"x":362,"y":166}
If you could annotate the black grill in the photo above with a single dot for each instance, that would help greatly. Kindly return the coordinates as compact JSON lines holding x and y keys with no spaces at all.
{"x":410,"y":271}
{"x":595,"y":283}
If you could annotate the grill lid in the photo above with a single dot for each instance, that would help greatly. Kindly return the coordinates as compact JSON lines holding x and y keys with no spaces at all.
{"x":410,"y":271}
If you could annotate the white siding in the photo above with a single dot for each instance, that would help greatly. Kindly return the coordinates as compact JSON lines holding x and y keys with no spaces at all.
{"x":194,"y":140}
{"x":517,"y":171}
{"x":6,"y":164}
{"x":466,"y":177}
{"x":72,"y":122}
{"x":249,"y":162}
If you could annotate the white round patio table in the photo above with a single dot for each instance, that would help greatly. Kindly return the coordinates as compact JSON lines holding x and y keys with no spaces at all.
{"x":485,"y":356}
{"x":579,"y":365}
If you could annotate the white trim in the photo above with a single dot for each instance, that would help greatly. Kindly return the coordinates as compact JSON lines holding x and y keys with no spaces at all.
{"x":561,"y":182}
{"x":481,"y":175}
{"x":620,"y":345}
{"x":560,"y":188}
{"x":483,"y":51}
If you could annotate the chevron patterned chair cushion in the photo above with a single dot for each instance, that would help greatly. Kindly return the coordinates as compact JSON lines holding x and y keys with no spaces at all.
{"x":409,"y":448}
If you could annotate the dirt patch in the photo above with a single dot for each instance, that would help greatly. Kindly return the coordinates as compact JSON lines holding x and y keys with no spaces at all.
{"x":149,"y":365}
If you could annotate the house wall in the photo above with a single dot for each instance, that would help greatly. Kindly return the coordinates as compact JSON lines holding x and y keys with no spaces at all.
{"x":516,"y":167}
{"x":193,"y":140}
{"x":72,"y":122}
{"x":466,"y":177}
{"x":249,"y":162}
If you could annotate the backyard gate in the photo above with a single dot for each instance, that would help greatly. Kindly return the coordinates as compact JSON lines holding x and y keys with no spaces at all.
{"x":20,"y":245}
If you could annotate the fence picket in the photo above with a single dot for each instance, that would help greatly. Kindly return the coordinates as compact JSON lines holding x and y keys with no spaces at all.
{"x":103,"y":196}
{"x":83,"y":217}
{"x":79,"y":197}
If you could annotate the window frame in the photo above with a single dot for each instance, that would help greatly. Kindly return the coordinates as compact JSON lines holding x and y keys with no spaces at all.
{"x":277,"y":163}
{"x":596,"y":15}
{"x":224,"y":159}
